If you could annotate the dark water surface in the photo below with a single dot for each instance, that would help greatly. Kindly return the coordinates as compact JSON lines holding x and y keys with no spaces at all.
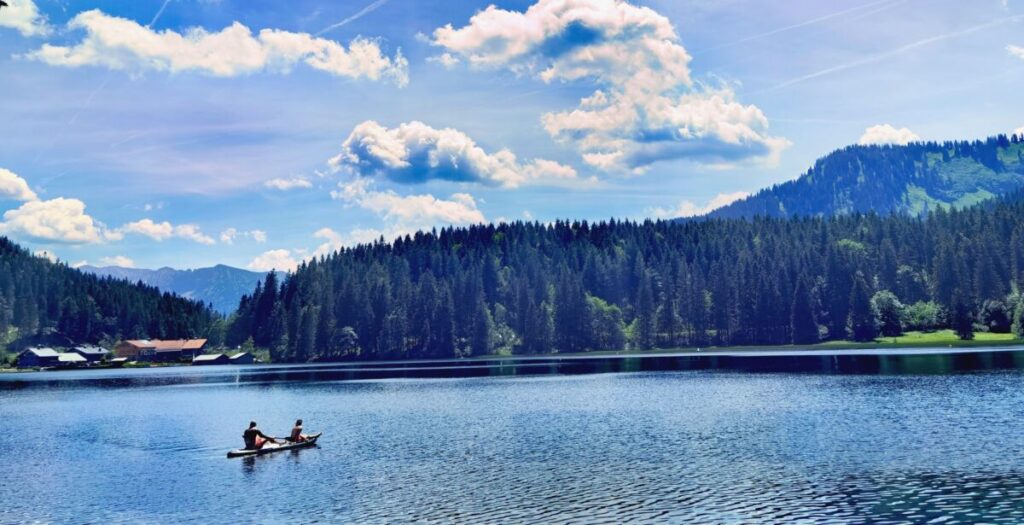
{"x":927,"y":444}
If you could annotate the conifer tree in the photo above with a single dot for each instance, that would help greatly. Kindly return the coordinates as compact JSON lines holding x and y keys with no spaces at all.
{"x":862,"y":325}
{"x":803,"y":325}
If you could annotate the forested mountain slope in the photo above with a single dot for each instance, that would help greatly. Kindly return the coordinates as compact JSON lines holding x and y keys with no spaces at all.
{"x":911,"y":179}
{"x":534,"y":288}
{"x":41,"y":298}
{"x":221,"y":286}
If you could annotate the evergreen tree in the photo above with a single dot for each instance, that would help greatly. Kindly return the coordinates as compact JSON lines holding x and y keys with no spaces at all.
{"x":803,"y":325}
{"x":962,"y":317}
{"x":862,"y":325}
{"x":646,"y":318}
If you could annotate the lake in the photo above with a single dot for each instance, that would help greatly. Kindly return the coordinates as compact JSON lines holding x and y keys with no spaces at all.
{"x":942,"y":440}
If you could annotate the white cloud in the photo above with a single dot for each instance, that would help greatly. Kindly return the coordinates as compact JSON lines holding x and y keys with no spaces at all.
{"x":24,"y":16}
{"x":646,"y":106}
{"x":161,"y":231}
{"x":80,"y":264}
{"x":229,"y":235}
{"x":117,"y":260}
{"x":288,"y":184}
{"x":411,"y":212}
{"x":416,"y":152}
{"x":332,"y":242}
{"x":447,"y":60}
{"x":280,"y":260}
{"x":119,"y":43}
{"x":57,"y":220}
{"x":1019,"y":131}
{"x":14,"y":187}
{"x":886,"y":134}
{"x":691,"y":209}
{"x":1016,"y":51}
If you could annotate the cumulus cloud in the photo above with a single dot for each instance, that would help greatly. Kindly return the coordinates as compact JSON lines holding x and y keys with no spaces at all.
{"x":122,"y":44}
{"x":1016,"y":51}
{"x":288,"y":184}
{"x":646,"y":106}
{"x":14,"y":187}
{"x":57,"y":220}
{"x":161,"y":231}
{"x":229,"y":235}
{"x":411,"y":212}
{"x":886,"y":134}
{"x":691,"y":209}
{"x":117,"y":260}
{"x":280,"y":260}
{"x":24,"y":16}
{"x":416,"y":152}
{"x":1019,"y":131}
{"x":333,"y":242}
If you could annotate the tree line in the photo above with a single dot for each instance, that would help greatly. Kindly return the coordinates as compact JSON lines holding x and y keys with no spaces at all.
{"x":45,"y":301}
{"x":531,"y":288}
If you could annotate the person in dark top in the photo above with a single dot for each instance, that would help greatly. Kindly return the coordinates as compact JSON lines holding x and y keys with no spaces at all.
{"x":255,"y":438}
{"x":297,"y":435}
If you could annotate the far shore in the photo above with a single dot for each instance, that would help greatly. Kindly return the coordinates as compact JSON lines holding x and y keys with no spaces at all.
{"x":911,"y":343}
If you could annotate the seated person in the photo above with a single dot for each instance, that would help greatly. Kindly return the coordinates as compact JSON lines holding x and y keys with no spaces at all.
{"x":254,"y":438}
{"x":297,"y":436}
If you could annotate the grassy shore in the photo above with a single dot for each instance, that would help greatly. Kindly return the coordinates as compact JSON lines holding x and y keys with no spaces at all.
{"x":937,"y":339}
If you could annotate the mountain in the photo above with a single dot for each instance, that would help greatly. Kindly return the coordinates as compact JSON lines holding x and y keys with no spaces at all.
{"x":222,"y":286}
{"x":42,"y":302}
{"x":911,"y":179}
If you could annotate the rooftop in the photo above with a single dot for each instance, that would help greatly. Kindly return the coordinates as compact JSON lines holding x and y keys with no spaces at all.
{"x":168,"y":345}
{"x":207,"y":357}
{"x":92,"y":350}
{"x":71,"y":357}
{"x":44,"y":352}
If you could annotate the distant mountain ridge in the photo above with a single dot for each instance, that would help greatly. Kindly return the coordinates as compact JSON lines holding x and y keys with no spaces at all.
{"x":910,"y":179}
{"x":222,"y":286}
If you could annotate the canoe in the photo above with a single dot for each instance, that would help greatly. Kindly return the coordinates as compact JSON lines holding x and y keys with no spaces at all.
{"x":267,"y":449}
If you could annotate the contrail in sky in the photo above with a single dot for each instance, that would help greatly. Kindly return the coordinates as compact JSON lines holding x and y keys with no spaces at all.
{"x":106,"y":78}
{"x":158,"y":13}
{"x":893,"y":52}
{"x":806,"y":23}
{"x":362,"y":12}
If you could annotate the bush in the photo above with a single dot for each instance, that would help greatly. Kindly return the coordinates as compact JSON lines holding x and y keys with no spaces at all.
{"x":996,"y":317}
{"x":924,"y":316}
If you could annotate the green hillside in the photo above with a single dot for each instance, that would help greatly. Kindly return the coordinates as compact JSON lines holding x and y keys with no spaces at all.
{"x":911,"y":179}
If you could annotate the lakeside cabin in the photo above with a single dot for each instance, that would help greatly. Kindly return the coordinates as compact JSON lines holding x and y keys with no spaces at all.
{"x":158,"y":350}
{"x":71,"y":360}
{"x":243,"y":358}
{"x":92,"y":354}
{"x":211,"y":359}
{"x":38,"y":358}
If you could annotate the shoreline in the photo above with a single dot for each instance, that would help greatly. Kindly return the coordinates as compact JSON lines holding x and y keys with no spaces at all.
{"x":887,"y":347}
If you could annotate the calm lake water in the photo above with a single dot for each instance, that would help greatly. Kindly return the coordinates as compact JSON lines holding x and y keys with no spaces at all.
{"x":690,"y":446}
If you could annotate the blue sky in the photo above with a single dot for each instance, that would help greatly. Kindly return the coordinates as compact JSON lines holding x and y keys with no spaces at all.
{"x":187,"y":133}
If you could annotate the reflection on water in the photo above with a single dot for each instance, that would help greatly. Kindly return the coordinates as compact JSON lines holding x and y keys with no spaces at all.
{"x":892,"y":439}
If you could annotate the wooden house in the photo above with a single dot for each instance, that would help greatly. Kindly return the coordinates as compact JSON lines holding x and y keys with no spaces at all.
{"x":211,"y":359}
{"x":38,"y":358}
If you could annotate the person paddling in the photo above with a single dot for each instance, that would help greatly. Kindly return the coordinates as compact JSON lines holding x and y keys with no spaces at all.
{"x":255,"y":438}
{"x":297,"y":435}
